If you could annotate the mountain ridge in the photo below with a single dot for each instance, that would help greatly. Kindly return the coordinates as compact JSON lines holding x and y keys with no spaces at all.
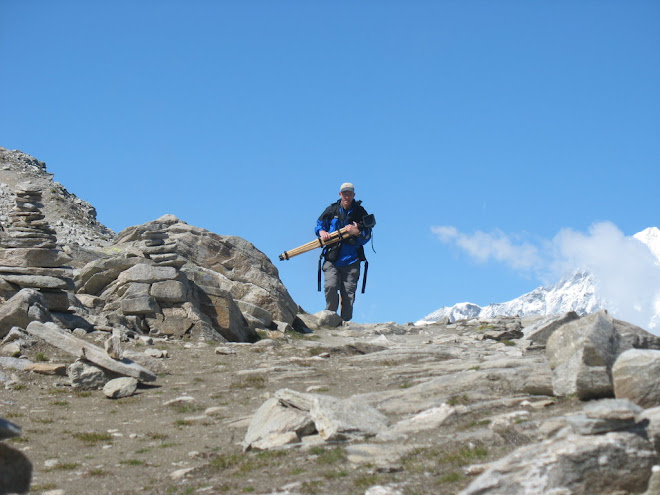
{"x":576,"y":292}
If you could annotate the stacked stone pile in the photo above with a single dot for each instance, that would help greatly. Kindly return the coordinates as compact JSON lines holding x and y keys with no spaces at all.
{"x":29,"y":229}
{"x":159,"y":300}
{"x":160,"y":249}
{"x":74,"y":220}
{"x":167,"y":277}
{"x":29,"y":257}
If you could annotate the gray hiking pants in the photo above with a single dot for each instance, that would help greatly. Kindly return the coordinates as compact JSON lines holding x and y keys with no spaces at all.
{"x":341,"y":280}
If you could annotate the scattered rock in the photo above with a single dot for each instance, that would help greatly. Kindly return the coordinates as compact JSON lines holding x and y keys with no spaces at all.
{"x":120,"y":387}
{"x":51,"y":333}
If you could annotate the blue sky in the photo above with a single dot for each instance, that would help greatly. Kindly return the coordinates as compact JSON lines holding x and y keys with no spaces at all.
{"x":514,"y":119}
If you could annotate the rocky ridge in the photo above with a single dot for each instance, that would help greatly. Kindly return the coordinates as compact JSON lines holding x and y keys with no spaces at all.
{"x":576,"y":292}
{"x":178,"y":363}
{"x":73,"y":219}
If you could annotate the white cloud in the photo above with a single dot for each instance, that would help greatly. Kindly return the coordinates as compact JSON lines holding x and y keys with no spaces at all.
{"x":626,"y":271}
{"x":519,"y":255}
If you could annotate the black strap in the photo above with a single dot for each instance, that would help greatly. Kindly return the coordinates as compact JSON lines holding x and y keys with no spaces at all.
{"x":320,"y":265}
{"x":364,"y":279}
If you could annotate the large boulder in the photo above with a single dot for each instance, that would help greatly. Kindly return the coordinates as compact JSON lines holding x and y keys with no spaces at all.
{"x":291,"y":415}
{"x":575,"y":464}
{"x":581,"y":354}
{"x":635,"y":374}
{"x":636,"y":336}
{"x":540,"y":331}
{"x":243,"y":271}
{"x":94,"y":277}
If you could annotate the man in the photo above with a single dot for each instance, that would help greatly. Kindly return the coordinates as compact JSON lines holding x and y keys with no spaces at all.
{"x":341,"y":267}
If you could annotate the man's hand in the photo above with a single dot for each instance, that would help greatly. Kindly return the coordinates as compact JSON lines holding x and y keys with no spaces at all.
{"x":353,"y":229}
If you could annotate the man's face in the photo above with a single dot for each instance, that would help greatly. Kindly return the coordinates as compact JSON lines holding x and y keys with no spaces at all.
{"x":346,"y":198}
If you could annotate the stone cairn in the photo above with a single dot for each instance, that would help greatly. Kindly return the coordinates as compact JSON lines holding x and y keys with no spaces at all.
{"x":29,"y":256}
{"x":159,"y":293}
{"x":160,"y":250}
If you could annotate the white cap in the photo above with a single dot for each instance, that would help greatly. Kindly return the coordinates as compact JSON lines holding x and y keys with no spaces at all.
{"x":347,"y":186}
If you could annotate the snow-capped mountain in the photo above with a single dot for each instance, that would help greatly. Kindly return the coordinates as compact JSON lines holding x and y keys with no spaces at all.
{"x":576,"y":292}
{"x":650,"y":237}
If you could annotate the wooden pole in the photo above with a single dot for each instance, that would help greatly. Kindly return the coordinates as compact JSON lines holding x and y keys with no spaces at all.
{"x":334,"y":238}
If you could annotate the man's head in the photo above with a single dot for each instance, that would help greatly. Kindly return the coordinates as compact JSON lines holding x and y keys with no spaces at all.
{"x":346,"y":193}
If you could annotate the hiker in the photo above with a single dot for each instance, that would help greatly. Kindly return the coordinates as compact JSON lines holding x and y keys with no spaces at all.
{"x":341,"y":266}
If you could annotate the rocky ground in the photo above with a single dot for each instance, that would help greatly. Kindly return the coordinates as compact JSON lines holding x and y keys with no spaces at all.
{"x":303,"y":404}
{"x":183,"y":434}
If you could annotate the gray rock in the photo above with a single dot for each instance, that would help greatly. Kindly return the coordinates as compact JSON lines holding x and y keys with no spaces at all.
{"x":384,"y":457}
{"x":273,"y":423}
{"x":261,"y":314}
{"x":581,"y":354}
{"x":120,"y":387}
{"x":636,"y":375}
{"x":177,"y":326}
{"x":85,"y":376}
{"x":540,"y":331}
{"x":96,"y":275}
{"x":38,"y":257}
{"x":15,"y":363}
{"x":291,"y":413}
{"x":429,"y":419}
{"x":618,"y":409}
{"x":15,"y":471}
{"x":327,"y":318}
{"x":383,"y":490}
{"x":575,"y":464}
{"x":169,"y":291}
{"x":114,"y":347}
{"x":40,"y":281}
{"x":654,"y":482}
{"x":15,"y":333}
{"x":306,"y":322}
{"x":63,"y":340}
{"x":346,"y":419}
{"x":27,"y":305}
{"x":139,"y":306}
{"x":636,"y":337}
{"x":146,"y":273}
{"x":249,"y":275}
{"x":650,"y":418}
{"x":219,"y":307}
{"x":151,"y":363}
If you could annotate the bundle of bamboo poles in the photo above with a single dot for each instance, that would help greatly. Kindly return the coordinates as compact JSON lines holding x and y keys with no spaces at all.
{"x":334,"y":237}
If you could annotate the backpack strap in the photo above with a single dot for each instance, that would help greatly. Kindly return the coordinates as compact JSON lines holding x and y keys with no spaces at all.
{"x":364,"y":279}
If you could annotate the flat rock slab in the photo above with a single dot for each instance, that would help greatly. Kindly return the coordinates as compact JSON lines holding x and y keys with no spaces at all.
{"x":63,"y":340}
{"x":38,"y":257}
{"x":47,"y":368}
{"x":40,"y":281}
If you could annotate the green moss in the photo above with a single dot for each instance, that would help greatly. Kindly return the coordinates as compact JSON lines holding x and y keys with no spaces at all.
{"x":92,"y":438}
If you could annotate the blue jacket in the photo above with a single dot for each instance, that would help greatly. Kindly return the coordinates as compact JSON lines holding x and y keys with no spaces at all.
{"x":334,"y":218}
